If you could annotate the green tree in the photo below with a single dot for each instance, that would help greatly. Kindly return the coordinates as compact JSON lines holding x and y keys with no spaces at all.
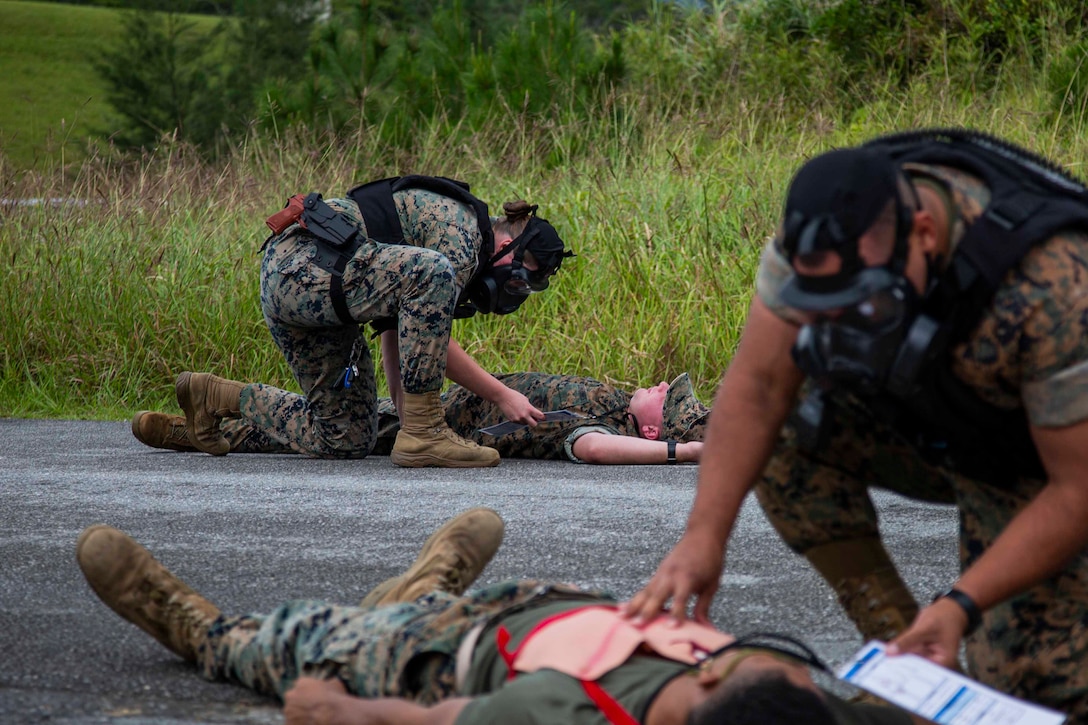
{"x":155,"y":75}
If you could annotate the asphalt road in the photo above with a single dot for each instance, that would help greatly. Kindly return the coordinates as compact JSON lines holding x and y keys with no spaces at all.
{"x":251,"y":531}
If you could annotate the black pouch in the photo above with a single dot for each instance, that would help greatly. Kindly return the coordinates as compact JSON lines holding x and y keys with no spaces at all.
{"x":326,"y":223}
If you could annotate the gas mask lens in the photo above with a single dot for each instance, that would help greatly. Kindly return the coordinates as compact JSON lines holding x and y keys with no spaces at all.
{"x":518,"y":284}
{"x":524,"y":281}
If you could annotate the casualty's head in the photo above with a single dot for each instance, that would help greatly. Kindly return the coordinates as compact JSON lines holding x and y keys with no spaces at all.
{"x":761,"y":684}
{"x":668,"y":411}
{"x":528,"y":251}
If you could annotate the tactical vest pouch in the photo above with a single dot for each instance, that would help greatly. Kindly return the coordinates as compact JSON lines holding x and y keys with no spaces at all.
{"x":326,"y":223}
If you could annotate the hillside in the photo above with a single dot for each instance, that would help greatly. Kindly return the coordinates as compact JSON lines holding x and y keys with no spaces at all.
{"x":51,"y":99}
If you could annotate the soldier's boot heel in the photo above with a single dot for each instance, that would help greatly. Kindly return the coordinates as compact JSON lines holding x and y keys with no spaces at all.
{"x":206,"y":400}
{"x":425,"y":439}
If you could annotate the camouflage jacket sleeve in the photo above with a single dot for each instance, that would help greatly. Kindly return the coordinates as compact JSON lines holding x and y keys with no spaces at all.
{"x":1031,"y":346}
{"x":466,"y":412}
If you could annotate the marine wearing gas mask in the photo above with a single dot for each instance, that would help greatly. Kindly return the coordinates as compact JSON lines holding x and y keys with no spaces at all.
{"x":500,"y":289}
{"x":863,"y":314}
{"x":874,"y":332}
{"x":494,"y":289}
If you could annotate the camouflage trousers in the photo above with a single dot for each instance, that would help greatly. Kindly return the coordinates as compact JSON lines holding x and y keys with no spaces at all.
{"x":414,"y":285}
{"x":405,"y":650}
{"x":1033,"y":646}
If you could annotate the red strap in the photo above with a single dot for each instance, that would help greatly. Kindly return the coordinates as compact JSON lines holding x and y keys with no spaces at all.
{"x":613,"y":711}
{"x":502,"y":636}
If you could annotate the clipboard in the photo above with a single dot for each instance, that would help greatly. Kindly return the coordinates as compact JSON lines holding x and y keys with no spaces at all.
{"x":509,"y":426}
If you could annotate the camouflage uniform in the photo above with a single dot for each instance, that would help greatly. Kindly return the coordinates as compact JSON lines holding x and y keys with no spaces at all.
{"x":401,"y":650}
{"x":466,"y":412}
{"x":604,"y":405}
{"x":417,"y":282}
{"x":1030,"y":350}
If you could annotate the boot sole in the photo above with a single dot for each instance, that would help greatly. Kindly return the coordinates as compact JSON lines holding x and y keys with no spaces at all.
{"x":423,"y":460}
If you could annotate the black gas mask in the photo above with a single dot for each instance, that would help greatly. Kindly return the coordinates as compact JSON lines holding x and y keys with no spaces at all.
{"x":501,"y":289}
{"x":860,"y":344}
{"x":864,"y":314}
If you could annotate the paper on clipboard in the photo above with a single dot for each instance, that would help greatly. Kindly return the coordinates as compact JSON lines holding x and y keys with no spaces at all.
{"x":938,"y":694}
{"x":509,"y":426}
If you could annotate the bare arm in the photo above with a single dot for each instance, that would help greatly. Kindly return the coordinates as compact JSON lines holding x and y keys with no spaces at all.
{"x":604,"y":448}
{"x":325,"y":702}
{"x":391,"y":366}
{"x":757,"y":393}
{"x":462,"y":369}
{"x":1051,"y":527}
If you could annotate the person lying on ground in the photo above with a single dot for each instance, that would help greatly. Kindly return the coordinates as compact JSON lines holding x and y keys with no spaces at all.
{"x":421,"y":649}
{"x":661,"y":424}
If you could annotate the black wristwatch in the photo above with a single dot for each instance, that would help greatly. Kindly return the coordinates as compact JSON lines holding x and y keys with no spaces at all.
{"x":672,"y":452}
{"x":974,"y":614}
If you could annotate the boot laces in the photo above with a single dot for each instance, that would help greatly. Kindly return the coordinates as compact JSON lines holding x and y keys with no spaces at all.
{"x":177,"y":434}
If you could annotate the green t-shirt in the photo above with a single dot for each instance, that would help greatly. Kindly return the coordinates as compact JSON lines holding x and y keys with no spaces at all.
{"x":548,"y":697}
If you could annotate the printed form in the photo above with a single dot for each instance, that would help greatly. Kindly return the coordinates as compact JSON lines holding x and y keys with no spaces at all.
{"x":938,"y":694}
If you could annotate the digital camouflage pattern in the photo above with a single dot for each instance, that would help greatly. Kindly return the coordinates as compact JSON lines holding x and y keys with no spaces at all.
{"x":417,"y":283}
{"x":402,"y":650}
{"x":604,"y":405}
{"x":1030,"y":349}
{"x":684,"y":418}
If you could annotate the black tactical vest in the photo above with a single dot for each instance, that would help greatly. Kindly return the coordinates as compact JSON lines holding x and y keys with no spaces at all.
{"x":375,"y":200}
{"x":1031,"y":201}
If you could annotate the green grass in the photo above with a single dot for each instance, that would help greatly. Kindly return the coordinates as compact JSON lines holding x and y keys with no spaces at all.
{"x":51,"y":99}
{"x":667,"y":205}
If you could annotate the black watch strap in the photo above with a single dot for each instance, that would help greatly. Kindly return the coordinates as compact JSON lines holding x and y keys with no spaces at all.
{"x":672,"y":452}
{"x":974,"y":614}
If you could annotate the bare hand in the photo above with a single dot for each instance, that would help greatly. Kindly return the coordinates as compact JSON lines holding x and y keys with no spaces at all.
{"x":317,"y":702}
{"x":692,"y":568}
{"x":935,"y":634}
{"x":517,"y":407}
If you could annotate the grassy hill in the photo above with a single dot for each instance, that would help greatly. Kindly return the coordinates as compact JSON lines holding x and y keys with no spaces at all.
{"x":51,"y":99}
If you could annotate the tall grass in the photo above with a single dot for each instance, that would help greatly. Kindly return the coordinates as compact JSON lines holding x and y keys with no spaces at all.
{"x":666,"y":191}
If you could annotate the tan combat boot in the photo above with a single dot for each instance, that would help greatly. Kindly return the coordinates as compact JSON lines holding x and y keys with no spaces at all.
{"x":206,"y":400}
{"x":450,"y":561}
{"x":132,"y":583}
{"x":868,"y":586}
{"x":426,"y":440}
{"x":160,"y":430}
